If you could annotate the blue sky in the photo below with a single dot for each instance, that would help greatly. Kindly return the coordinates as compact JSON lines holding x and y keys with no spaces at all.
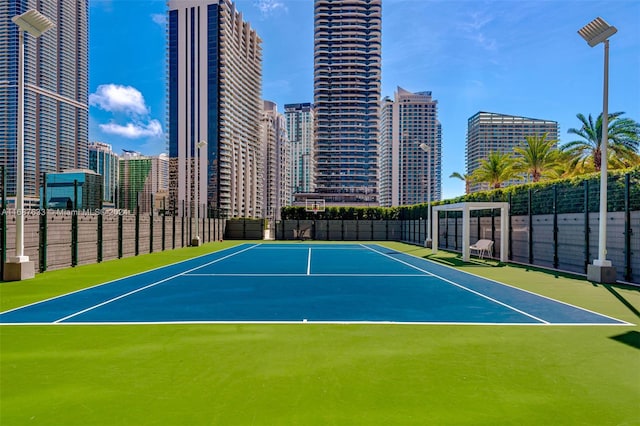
{"x":513,"y":57}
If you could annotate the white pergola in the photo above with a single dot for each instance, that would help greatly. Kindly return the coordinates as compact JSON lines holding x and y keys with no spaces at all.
{"x":465,"y":208}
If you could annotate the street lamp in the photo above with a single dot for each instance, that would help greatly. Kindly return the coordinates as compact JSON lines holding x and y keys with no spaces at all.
{"x":196,"y":240}
{"x":596,"y":32}
{"x":36,"y":24}
{"x":426,"y":148}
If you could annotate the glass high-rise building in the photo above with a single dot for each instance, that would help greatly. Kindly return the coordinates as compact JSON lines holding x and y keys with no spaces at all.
{"x":214,"y":94}
{"x":56,"y":91}
{"x":104,"y":161}
{"x":347,"y":79}
{"x":142,"y":181}
{"x":488,"y":132}
{"x":300,"y":122}
{"x":405,"y":170}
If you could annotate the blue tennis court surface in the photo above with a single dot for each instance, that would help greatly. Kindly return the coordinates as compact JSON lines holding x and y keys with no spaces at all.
{"x":364,"y":283}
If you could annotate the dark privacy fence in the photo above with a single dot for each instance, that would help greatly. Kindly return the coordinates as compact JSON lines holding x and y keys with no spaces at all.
{"x":56,"y":239}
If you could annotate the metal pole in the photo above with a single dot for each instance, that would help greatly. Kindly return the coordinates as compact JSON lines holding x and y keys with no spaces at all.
{"x":428,"y":242}
{"x":586,"y":226}
{"x":627,"y":227}
{"x":556,"y":261}
{"x":43,"y":226}
{"x":3,"y":220}
{"x":602,"y":233}
{"x":20,"y":257}
{"x":195,"y":194}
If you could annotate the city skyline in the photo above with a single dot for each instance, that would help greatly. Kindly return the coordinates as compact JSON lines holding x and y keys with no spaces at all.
{"x":522,"y":58}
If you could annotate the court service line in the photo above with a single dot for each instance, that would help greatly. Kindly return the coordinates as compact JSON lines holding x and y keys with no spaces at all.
{"x":122,"y":296}
{"x":470,"y":290}
{"x":309,"y":262}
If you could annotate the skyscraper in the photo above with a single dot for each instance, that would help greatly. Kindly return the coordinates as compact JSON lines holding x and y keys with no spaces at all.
{"x":214,"y":95}
{"x":406,"y":171}
{"x":143,"y":180}
{"x":347,"y":67}
{"x":104,"y":161}
{"x":275,"y":157}
{"x":56,"y":91}
{"x":488,"y":132}
{"x":300,"y":122}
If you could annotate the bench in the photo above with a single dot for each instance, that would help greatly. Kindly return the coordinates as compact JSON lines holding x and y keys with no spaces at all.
{"x":482,"y":247}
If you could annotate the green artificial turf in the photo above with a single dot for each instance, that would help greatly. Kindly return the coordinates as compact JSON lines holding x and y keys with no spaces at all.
{"x":313,"y":374}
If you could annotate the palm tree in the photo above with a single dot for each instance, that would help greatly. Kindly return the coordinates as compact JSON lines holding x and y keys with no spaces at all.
{"x":538,"y":157}
{"x":623,"y":137}
{"x":495,"y":170}
{"x":466,"y":178}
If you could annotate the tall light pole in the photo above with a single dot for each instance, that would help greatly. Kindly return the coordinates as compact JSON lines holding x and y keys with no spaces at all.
{"x":36,"y":24}
{"x":196,"y":188}
{"x":427,"y":149}
{"x":594,"y":33}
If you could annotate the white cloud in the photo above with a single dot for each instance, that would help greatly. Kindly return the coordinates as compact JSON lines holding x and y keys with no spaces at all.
{"x":134,"y":130}
{"x":473,"y":27}
{"x":268,"y":7}
{"x":117,"y":98}
{"x":159,"y":18}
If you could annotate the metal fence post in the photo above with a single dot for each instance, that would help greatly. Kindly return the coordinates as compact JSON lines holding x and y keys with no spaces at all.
{"x":510,"y":254}
{"x":530,"y":211}
{"x":74,"y":225}
{"x":173,"y":230}
{"x":586,"y":226}
{"x":164,"y":220}
{"x":3,"y":221}
{"x":628,"y":231}
{"x":100,"y":230}
{"x":183,"y":223}
{"x":137,"y":230}
{"x":556,"y":261}
{"x":151,"y":227}
{"x":42,"y":257}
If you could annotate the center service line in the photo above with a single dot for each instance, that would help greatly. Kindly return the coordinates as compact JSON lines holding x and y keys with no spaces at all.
{"x":309,"y":262}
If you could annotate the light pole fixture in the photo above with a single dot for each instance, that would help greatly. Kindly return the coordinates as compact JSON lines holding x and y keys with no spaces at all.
{"x":594,"y":33}
{"x":36,"y":24}
{"x":196,"y":188}
{"x":427,"y":149}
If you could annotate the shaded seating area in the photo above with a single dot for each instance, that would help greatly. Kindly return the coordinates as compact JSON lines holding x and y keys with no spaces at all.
{"x":466,"y":208}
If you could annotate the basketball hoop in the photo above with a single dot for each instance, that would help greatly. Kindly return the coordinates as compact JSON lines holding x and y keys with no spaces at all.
{"x":314,"y":206}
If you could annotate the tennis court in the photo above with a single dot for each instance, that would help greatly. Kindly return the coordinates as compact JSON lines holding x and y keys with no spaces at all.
{"x":305,"y":283}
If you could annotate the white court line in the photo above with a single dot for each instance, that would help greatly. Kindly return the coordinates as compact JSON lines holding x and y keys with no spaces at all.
{"x":309,"y":263}
{"x":315,"y":246}
{"x":114,"y":280}
{"x":298,"y":322}
{"x":304,"y":275}
{"x":514,"y":287}
{"x":149,"y":286}
{"x":470,"y":290}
